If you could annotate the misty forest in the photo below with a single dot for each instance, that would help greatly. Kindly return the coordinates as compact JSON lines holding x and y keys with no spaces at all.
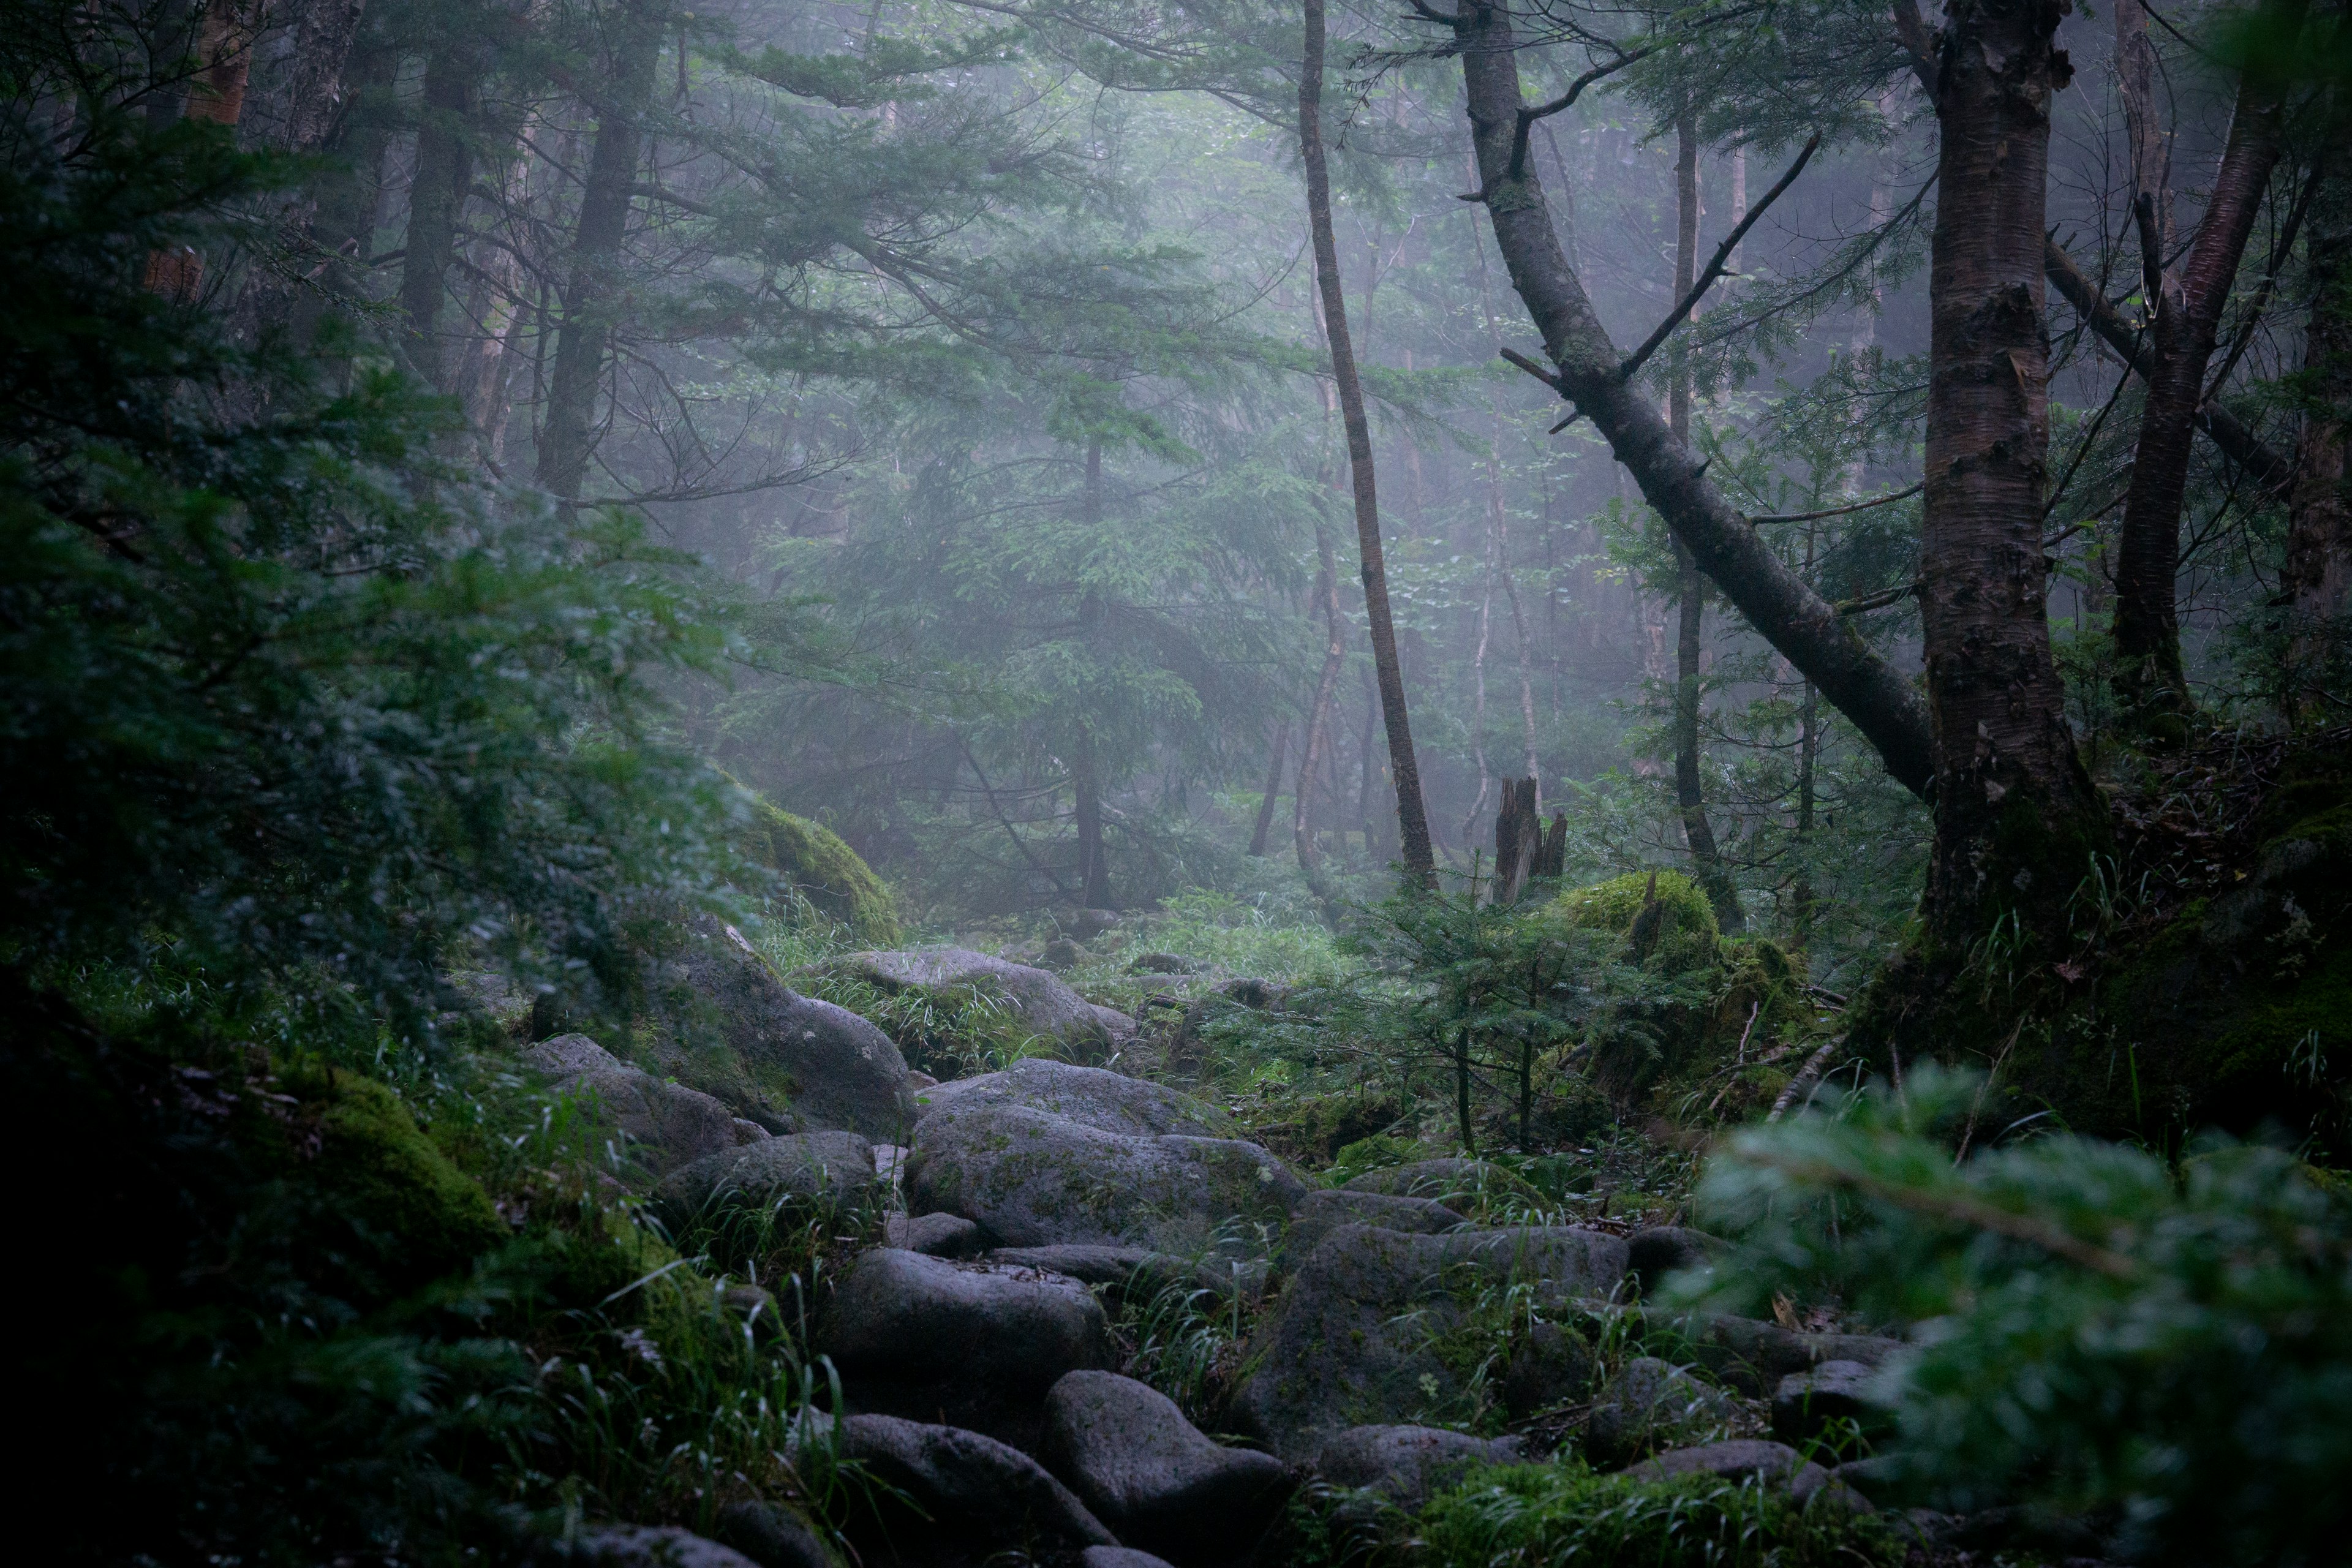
{"x":1232,"y":784}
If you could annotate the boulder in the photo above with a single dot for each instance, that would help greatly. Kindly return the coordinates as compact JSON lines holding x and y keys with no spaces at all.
{"x":1773,"y":1464}
{"x":1807,"y":1403}
{"x":1550,"y":1367}
{"x":1121,"y":1026}
{"x":935,"y":1236}
{"x":772,"y":1535}
{"x":1093,"y":1097}
{"x":1659,"y":1250}
{"x":836,"y":1069}
{"x":818,"y":1170}
{"x":1116,"y":1267}
{"x":1653,"y":1403}
{"x":672,"y":1124}
{"x":1034,"y":1178}
{"x":1322,"y":1212}
{"x":1118,"y":1557}
{"x":1042,"y":1002}
{"x":1407,"y":1465}
{"x":1453,"y":1181}
{"x":979,"y":1343}
{"x":1149,"y":1474}
{"x":640,"y":1546}
{"x":1373,"y":1328}
{"x":960,"y":1496}
{"x":1753,"y":1355}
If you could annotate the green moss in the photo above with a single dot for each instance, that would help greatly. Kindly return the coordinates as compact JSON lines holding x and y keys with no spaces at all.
{"x":812,"y":859}
{"x":416,"y":1212}
{"x":1612,"y":905}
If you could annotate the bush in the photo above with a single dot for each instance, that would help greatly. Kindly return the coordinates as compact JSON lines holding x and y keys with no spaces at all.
{"x":1538,"y":1515}
{"x":2166,"y":1347}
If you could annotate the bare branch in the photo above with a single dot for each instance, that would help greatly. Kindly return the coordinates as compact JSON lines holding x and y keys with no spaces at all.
{"x":1714,"y":267}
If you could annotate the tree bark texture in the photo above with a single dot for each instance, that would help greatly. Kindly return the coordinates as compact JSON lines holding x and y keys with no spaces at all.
{"x":2188,"y":315}
{"x":1318,"y":715}
{"x":2317,"y":581}
{"x":1518,"y":839}
{"x":1805,"y":627}
{"x":2013,"y":802}
{"x":1404,"y":768}
{"x":592,"y":293}
{"x":1690,"y":795}
{"x":1265,"y":824}
{"x":1094,"y":854}
{"x":436,"y":198}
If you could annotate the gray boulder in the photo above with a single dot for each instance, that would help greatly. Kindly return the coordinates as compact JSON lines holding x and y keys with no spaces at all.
{"x":1121,"y":1026}
{"x":1323,"y":1212}
{"x":836,"y":1069}
{"x":1367,"y":1331}
{"x":1407,"y":1465}
{"x":640,"y":1546}
{"x":1653,"y":1403}
{"x":1453,"y":1181}
{"x":672,"y":1124}
{"x":1144,"y":1470}
{"x":826,"y":1170}
{"x":935,"y":1236}
{"x":772,"y":1535}
{"x":1773,"y":1464}
{"x":1093,"y":1097}
{"x":1034,"y":1178}
{"x":1807,"y":1403}
{"x":1122,"y":1268}
{"x":1118,"y":1557}
{"x":961,"y":1497}
{"x":977,"y":1343}
{"x":1043,"y":1002}
{"x":1753,"y":1355}
{"x":1659,"y":1250}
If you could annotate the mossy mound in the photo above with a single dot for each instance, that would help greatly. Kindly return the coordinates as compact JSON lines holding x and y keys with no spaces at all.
{"x":817,"y":866}
{"x":1612,"y":905}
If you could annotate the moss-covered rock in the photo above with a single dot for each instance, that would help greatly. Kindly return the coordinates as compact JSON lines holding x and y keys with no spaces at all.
{"x":409,"y":1214}
{"x":1613,"y":905}
{"x":817,"y":866}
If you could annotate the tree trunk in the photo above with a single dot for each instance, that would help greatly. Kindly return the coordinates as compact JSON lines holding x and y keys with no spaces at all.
{"x":1784,"y":609}
{"x":224,"y":61}
{"x":1518,"y":839}
{"x":343,"y":201}
{"x":2188,"y":316}
{"x":436,"y":198}
{"x":1094,"y":854}
{"x":2151,"y":165}
{"x":1273,"y":789}
{"x":2318,"y":581}
{"x":1808,"y":746}
{"x":591,"y":294}
{"x":1319,"y":716}
{"x":2015,"y":812}
{"x":1689,"y":794}
{"x":1412,"y":815}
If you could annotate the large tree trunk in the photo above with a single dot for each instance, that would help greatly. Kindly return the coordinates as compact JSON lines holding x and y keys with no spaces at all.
{"x":2188,"y":316}
{"x":2317,"y":581}
{"x":1805,"y":627}
{"x":2016,"y":815}
{"x":1412,"y":815}
{"x":1689,"y":794}
{"x":1094,"y":854}
{"x":436,"y":198}
{"x":1318,"y":715}
{"x":591,"y":291}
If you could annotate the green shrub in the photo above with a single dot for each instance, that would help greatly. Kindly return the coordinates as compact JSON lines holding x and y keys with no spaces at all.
{"x":1538,"y":1515}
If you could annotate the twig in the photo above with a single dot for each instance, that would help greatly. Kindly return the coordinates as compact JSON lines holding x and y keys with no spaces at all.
{"x":1714,"y":267}
{"x":1805,"y":1075}
{"x":1877,"y":601}
{"x":1838,"y":511}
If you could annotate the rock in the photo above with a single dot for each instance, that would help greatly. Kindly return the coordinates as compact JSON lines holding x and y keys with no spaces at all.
{"x":819,"y":1170}
{"x":1149,"y":1474}
{"x":1653,"y":1403}
{"x":756,"y":1306}
{"x":1448,"y":1180}
{"x":1118,"y":1557}
{"x":978,"y":1343}
{"x":1774,"y":1464}
{"x":1407,"y":1465}
{"x":1807,"y":1403}
{"x":1032,"y":1178}
{"x":1118,"y":1267}
{"x":1550,"y":1367}
{"x":1659,"y":1250}
{"x":964,"y":1496}
{"x":919,"y":1080}
{"x":1752,"y":1356}
{"x":1323,"y":1212}
{"x":772,"y":1535}
{"x":640,"y":1546}
{"x":673,"y":1124}
{"x":1094,"y":1097}
{"x":837,"y":1070}
{"x":1160,"y":964}
{"x":1362,"y":1333}
{"x":935,"y":1236}
{"x":1043,"y":1003}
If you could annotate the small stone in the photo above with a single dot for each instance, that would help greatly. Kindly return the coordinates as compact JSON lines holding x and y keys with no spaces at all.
{"x":1774,"y":1464}
{"x":1807,"y":1403}
{"x":1653,"y":1403}
{"x":966,"y":1491}
{"x":935,"y":1236}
